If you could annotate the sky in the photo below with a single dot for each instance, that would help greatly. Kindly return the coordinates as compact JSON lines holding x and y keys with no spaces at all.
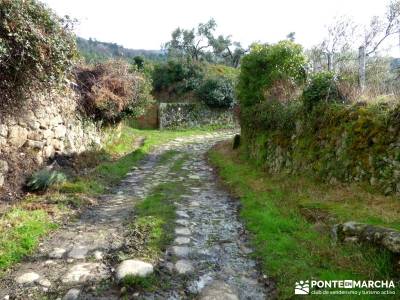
{"x":147,"y":24}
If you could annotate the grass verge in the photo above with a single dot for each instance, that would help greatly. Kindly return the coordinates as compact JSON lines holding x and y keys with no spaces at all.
{"x":291,"y":245}
{"x":20,"y":232}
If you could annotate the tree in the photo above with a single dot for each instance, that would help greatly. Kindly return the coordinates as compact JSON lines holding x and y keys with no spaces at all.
{"x":191,"y":43}
{"x":379,"y":30}
{"x":200,"y":44}
{"x":227,"y":51}
{"x":338,"y":41}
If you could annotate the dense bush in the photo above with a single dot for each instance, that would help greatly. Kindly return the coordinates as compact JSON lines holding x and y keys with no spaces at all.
{"x":322,"y":87}
{"x":112,"y":89}
{"x":177,"y":77}
{"x":271,"y":72}
{"x":37,"y":48}
{"x":217,"y":92}
{"x":183,"y":80}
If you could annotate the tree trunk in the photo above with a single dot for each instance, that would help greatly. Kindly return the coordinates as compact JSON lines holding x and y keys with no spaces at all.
{"x":361,"y":70}
{"x":330,"y":62}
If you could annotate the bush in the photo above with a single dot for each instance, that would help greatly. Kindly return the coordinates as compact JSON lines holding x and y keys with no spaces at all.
{"x":37,"y":48}
{"x":177,"y":76}
{"x":44,"y":179}
{"x":217,"y":92}
{"x":110,"y":90}
{"x":271,"y":72}
{"x":321,"y":87}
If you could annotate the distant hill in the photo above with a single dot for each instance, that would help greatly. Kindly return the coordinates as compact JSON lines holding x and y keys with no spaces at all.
{"x":95,"y":51}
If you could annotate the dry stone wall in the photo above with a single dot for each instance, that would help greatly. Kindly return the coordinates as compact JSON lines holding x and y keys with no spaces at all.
{"x":191,"y":115}
{"x":45,"y":125}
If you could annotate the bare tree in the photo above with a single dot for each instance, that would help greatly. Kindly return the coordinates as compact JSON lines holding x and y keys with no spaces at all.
{"x":338,"y":41}
{"x":379,"y":30}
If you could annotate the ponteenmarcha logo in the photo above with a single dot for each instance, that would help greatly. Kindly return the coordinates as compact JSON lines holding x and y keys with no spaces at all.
{"x":302,"y":288}
{"x":345,"y":287}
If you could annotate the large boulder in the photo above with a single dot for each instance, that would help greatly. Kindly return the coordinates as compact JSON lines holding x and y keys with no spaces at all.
{"x":384,"y":237}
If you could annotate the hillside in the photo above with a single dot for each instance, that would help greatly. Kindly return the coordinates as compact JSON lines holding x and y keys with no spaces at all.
{"x":93,"y":51}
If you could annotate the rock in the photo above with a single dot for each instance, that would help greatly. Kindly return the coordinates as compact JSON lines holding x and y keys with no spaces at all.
{"x":72,"y":294}
{"x":194,"y":204}
{"x":182,"y":231}
{"x":181,"y":251}
{"x":182,"y":240}
{"x":84,"y":272}
{"x":392,"y":241}
{"x":34,"y":144}
{"x":353,"y":228}
{"x":3,"y":130}
{"x":60,"y":131}
{"x":350,"y":239}
{"x":133,"y":267}
{"x":78,"y":252}
{"x":27,"y":278}
{"x":57,"y":253}
{"x":48,"y":151}
{"x":182,"y":214}
{"x":44,"y":282}
{"x":3,"y":171}
{"x":98,"y":255}
{"x":184,"y":266}
{"x":182,"y":222}
{"x":218,"y":290}
{"x":17,"y":136}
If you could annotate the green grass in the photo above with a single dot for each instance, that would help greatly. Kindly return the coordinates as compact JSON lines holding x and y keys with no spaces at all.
{"x":287,"y":244}
{"x":155,"y":217}
{"x":122,"y":157}
{"x":20,"y":231}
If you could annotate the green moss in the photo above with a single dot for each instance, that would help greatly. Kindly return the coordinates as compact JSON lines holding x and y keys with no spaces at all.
{"x":345,"y":143}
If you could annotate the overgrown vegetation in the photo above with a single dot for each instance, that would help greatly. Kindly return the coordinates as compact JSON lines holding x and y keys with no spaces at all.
{"x":271,"y":72}
{"x":112,"y":90}
{"x":214,"y":85}
{"x":37,"y":48}
{"x":290,"y":218}
{"x":315,"y":133}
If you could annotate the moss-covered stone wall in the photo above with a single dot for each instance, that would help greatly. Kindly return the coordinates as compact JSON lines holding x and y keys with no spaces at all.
{"x":333,"y":143}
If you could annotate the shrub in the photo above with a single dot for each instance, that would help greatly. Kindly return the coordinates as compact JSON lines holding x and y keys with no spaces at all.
{"x":37,"y":48}
{"x":321,"y":87}
{"x":271,"y":72}
{"x":138,"y":61}
{"x":110,"y":90}
{"x":217,"y":92}
{"x":177,"y":76}
{"x":44,"y":179}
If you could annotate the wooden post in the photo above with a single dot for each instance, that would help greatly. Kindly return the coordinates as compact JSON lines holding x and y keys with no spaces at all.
{"x":361,"y":61}
{"x":330,"y":62}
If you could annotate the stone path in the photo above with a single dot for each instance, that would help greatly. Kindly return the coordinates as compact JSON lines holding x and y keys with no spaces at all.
{"x":208,"y":259}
